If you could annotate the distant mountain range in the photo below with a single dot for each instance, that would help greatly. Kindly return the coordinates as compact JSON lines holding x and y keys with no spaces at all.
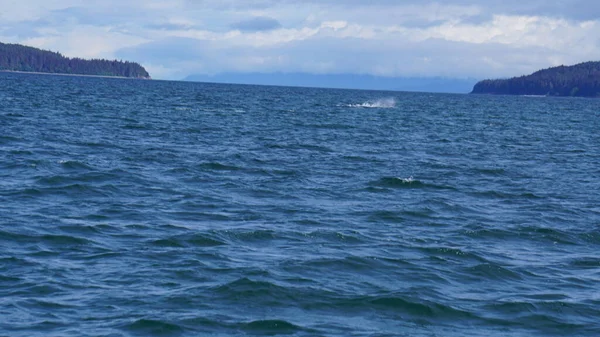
{"x":342,"y":81}
{"x":581,"y":80}
{"x":16,"y":57}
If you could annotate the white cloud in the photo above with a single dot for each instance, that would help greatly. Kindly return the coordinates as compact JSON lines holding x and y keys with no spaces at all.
{"x":84,"y":41}
{"x":461,"y":38}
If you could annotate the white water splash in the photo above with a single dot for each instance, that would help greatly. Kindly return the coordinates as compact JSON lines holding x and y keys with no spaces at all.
{"x":385,"y":103}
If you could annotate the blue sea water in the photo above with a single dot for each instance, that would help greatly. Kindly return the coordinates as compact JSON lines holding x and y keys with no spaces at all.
{"x":155,"y":208}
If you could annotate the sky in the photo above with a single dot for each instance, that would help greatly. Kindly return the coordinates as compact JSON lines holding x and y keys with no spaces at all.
{"x":390,"y":38}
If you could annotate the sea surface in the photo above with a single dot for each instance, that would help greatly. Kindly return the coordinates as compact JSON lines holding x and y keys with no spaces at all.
{"x":157,"y":208}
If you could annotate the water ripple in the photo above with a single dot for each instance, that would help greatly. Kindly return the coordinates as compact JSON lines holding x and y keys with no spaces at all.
{"x":158,"y":208}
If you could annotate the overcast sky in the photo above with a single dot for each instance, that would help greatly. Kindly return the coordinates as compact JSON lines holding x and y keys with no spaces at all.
{"x":412,"y":38}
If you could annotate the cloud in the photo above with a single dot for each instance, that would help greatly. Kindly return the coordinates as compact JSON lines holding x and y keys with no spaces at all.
{"x":458,"y":38}
{"x":430,"y":57}
{"x":567,"y":9}
{"x":257,"y":24}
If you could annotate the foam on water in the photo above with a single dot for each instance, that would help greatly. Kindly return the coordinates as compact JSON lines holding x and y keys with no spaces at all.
{"x":384,"y":103}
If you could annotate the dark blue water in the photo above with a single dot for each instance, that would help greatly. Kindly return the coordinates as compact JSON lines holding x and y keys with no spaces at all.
{"x":151,"y":208}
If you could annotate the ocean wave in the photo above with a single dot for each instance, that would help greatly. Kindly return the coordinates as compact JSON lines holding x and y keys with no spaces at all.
{"x":271,"y":327}
{"x":216,"y":166}
{"x":244,"y":288}
{"x":154,"y":327}
{"x":194,"y":240}
{"x":417,"y":307}
{"x":335,"y":237}
{"x":492,"y":271}
{"x":395,"y":182}
{"x":385,"y":184}
{"x":75,"y":165}
{"x":64,"y":240}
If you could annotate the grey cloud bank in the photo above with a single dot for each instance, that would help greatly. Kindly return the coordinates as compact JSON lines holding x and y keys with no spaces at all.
{"x":257,"y":24}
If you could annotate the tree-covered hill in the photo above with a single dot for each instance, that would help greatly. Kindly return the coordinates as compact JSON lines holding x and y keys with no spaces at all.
{"x":15,"y":57}
{"x":581,"y":80}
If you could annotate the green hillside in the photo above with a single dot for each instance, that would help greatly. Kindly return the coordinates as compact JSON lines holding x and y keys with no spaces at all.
{"x":581,"y":80}
{"x":15,"y":57}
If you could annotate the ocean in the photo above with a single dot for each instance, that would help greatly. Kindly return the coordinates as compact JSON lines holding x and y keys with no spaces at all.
{"x":158,"y":208}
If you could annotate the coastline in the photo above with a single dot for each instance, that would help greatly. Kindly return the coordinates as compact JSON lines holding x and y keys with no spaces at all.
{"x":78,"y":75}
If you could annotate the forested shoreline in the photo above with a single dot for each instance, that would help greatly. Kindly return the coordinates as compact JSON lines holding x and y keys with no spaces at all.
{"x":16,"y":57}
{"x":582,"y":80}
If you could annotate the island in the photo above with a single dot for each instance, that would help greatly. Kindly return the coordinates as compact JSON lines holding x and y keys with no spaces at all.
{"x":580,"y":80}
{"x":16,"y":57}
